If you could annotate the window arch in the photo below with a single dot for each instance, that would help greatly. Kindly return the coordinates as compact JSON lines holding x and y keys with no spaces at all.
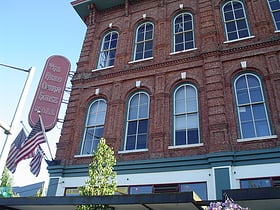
{"x":235,"y":20}
{"x":143,"y":43}
{"x":185,"y":116}
{"x":137,"y":121}
{"x":107,"y":53}
{"x":183,"y":32}
{"x":274,"y":6}
{"x":94,"y":126}
{"x":251,"y":107}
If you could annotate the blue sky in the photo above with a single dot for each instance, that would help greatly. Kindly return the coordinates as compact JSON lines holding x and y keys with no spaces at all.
{"x":31,"y":31}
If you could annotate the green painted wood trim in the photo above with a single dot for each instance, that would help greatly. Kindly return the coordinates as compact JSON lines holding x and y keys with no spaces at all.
{"x":252,"y":157}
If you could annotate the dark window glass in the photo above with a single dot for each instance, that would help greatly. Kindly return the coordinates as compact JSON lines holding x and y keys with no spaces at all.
{"x":251,"y":108}
{"x":137,"y":122}
{"x":255,"y":183}
{"x":144,"y":41}
{"x":183,"y":32}
{"x":140,"y":189}
{"x":199,"y":188}
{"x":235,"y":20}
{"x":274,"y":6}
{"x":94,"y":126}
{"x":107,"y":52}
{"x":186,"y":120}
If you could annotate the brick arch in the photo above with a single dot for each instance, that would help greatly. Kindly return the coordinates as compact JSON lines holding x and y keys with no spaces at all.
{"x":176,"y":79}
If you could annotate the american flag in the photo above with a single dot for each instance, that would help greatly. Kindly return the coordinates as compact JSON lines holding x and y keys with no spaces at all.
{"x":34,"y":139}
{"x":35,"y":163}
{"x":14,"y":150}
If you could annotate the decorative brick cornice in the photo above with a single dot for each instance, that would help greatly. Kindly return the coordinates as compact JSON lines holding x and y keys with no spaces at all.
{"x":105,"y":74}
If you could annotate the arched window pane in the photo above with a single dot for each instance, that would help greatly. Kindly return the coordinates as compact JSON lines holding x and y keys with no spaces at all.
{"x":274,"y":6}
{"x":94,"y":126}
{"x":137,"y":122}
{"x":186,"y":116}
{"x":144,"y":41}
{"x":235,"y":20}
{"x":108,"y":48}
{"x":251,"y":107}
{"x":183,"y":32}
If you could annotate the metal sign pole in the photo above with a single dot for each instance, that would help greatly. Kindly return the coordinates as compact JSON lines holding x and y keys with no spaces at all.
{"x":18,"y":111}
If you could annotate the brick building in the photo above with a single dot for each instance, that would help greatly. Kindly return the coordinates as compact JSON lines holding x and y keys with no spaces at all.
{"x":185,"y":91}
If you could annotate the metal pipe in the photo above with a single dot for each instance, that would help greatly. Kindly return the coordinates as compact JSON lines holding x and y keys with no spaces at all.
{"x":15,"y":119}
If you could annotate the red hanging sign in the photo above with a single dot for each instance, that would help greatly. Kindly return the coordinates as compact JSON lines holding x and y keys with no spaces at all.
{"x":50,"y":92}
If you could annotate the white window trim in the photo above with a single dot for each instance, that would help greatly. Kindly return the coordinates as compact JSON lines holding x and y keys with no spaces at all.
{"x":183,"y":51}
{"x":251,"y":104}
{"x":257,"y":138}
{"x":135,"y":43}
{"x":185,"y":146}
{"x":236,"y":40}
{"x":198,"y":113}
{"x":102,"y":45}
{"x":132,"y":151}
{"x":277,"y":31}
{"x":127,"y":120}
{"x":173,"y":35}
{"x":107,"y":67}
{"x":140,"y":60}
{"x":81,"y":155}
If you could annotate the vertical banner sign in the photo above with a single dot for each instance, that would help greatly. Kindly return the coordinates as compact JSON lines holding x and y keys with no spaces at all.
{"x":50,"y":91}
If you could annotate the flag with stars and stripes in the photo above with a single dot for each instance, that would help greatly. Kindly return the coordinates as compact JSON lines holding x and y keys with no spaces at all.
{"x":34,"y":139}
{"x":35,"y":163}
{"x":14,"y":150}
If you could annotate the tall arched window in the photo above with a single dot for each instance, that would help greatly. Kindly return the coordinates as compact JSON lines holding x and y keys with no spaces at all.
{"x":186,"y":115}
{"x":108,"y":49}
{"x":183,"y":32}
{"x":274,"y":6}
{"x":251,"y":107}
{"x":94,"y":126}
{"x":235,"y":20}
{"x":137,"y":122}
{"x":143,"y":44}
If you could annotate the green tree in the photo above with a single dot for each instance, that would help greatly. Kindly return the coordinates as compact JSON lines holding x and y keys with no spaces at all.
{"x":39,"y":192}
{"x":102,"y":178}
{"x":6,"y":189}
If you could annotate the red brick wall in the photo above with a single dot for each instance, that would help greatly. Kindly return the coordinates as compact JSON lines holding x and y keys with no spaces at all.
{"x":211,"y":68}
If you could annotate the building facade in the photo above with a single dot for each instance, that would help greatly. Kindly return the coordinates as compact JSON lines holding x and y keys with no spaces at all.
{"x":186,"y":92}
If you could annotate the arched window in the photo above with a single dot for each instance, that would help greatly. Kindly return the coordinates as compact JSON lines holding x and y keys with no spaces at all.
{"x":235,"y":20}
{"x":274,"y":6}
{"x":183,"y":32}
{"x":186,"y":115}
{"x":108,"y":49}
{"x":137,"y":122}
{"x":94,"y":126}
{"x":251,"y":107}
{"x":143,"y":44}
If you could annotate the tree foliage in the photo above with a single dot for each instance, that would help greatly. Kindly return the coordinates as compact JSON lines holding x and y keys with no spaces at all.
{"x":102,"y":178}
{"x":6,"y":189}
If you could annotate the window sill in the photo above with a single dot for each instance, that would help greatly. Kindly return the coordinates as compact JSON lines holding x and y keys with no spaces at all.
{"x":132,"y":151}
{"x":186,"y":146}
{"x":277,"y":31}
{"x":83,"y":156}
{"x":108,"y":67}
{"x":237,"y":40}
{"x":183,"y":51}
{"x":257,"y":138}
{"x":145,"y":59}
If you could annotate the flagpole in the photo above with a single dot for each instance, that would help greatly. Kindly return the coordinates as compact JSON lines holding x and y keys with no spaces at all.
{"x":24,"y":127}
{"x":44,"y":133}
{"x":19,"y":108}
